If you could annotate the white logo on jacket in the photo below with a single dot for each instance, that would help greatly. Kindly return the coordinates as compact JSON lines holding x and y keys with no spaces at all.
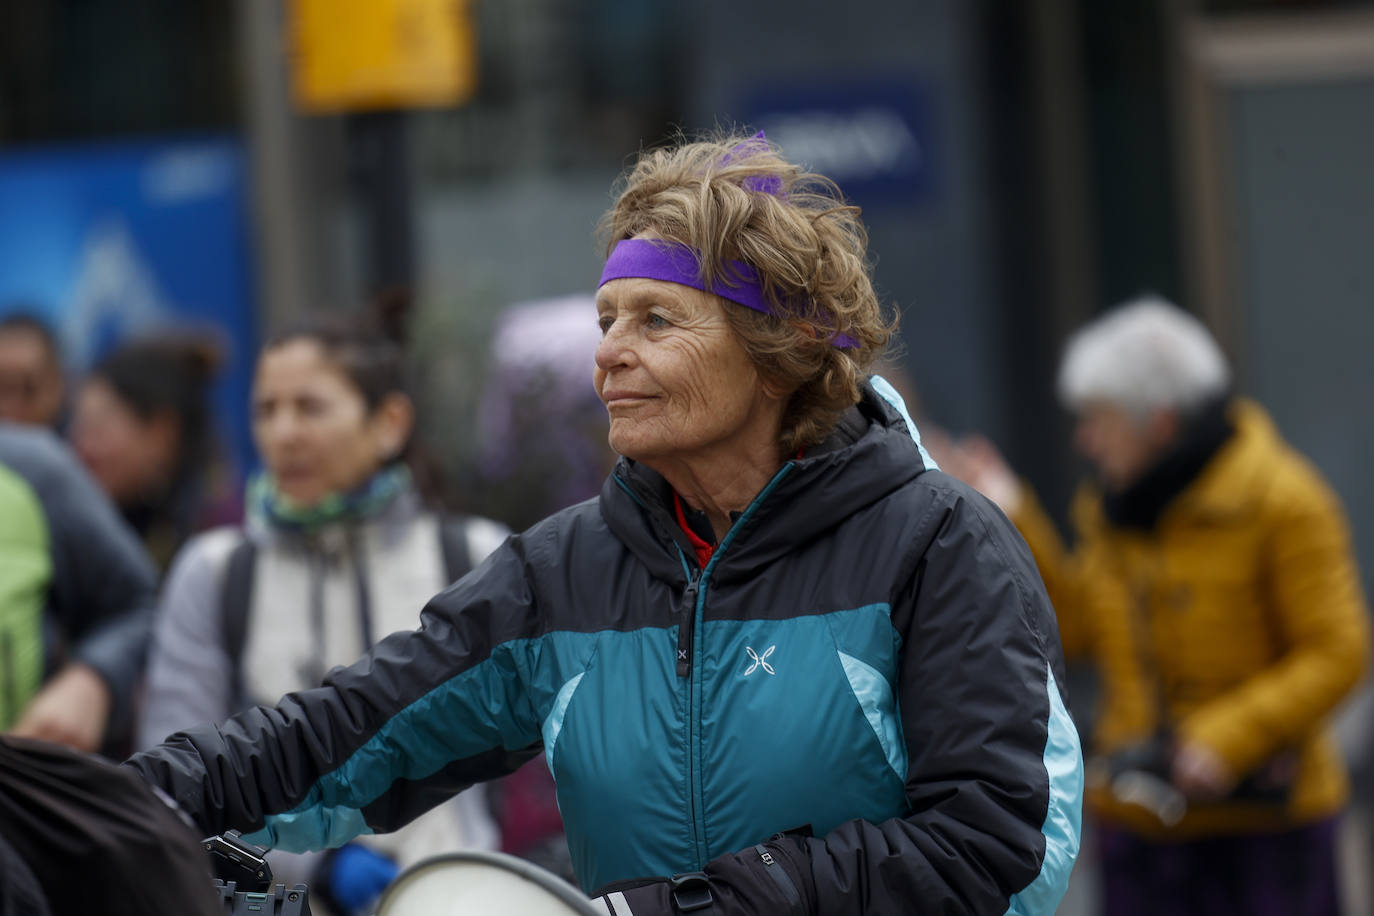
{"x":760,"y":661}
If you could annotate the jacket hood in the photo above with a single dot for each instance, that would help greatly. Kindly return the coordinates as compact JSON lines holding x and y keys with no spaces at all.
{"x":871,"y":452}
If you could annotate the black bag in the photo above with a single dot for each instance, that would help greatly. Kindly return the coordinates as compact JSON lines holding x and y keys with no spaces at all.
{"x":1269,"y":784}
{"x":96,"y":838}
{"x":20,"y":894}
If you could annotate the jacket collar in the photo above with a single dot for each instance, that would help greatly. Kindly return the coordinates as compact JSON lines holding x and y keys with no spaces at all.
{"x":1229,"y":481}
{"x":1201,"y":437}
{"x":1225,"y":486}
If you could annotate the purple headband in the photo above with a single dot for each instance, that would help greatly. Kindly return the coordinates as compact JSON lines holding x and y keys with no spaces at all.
{"x":673,"y":262}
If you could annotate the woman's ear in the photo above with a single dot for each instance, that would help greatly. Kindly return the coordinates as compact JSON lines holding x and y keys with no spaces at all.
{"x":393,"y":421}
{"x":774,"y":388}
{"x":163,"y":430}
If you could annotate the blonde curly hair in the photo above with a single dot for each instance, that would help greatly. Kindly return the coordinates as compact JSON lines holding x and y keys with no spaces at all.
{"x":736,"y":198}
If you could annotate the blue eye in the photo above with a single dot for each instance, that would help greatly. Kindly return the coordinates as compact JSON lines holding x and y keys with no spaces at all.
{"x":656,"y":321}
{"x":605,"y":322}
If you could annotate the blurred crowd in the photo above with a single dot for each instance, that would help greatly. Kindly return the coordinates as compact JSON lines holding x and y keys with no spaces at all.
{"x":1209,"y":593}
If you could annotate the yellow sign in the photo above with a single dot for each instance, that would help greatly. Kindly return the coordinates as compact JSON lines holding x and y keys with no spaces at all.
{"x":354,"y":55}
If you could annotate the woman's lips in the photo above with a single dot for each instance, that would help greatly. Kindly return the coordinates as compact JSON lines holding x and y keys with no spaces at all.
{"x":624,"y":397}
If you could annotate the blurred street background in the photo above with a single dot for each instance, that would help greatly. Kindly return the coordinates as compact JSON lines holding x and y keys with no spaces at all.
{"x":222,"y":166}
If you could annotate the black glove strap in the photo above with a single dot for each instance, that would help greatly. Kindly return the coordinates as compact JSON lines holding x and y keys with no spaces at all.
{"x":691,"y":892}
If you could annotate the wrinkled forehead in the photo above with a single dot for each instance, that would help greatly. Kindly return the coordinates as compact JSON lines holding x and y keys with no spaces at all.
{"x":640,"y":293}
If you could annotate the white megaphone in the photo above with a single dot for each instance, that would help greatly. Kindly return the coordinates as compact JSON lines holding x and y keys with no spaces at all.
{"x":477,"y":882}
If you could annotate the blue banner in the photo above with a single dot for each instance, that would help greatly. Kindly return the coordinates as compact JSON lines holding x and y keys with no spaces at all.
{"x":109,"y":241}
{"x":873,"y":137}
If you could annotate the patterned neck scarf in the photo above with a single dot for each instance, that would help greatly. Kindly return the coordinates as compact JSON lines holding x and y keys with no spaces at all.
{"x":266,"y":501}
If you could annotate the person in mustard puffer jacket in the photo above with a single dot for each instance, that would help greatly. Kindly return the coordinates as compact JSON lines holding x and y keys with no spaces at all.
{"x":1214,"y":585}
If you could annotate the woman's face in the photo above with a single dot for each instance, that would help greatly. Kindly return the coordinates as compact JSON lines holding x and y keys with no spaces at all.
{"x":1120,"y":445}
{"x":312,"y":426}
{"x":674,"y":377}
{"x":129,"y":457}
{"x":30,"y":379}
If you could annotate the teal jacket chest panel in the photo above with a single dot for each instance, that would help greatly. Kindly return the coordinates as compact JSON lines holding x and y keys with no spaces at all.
{"x":620,"y":759}
{"x":788,"y":736}
{"x":622,"y":755}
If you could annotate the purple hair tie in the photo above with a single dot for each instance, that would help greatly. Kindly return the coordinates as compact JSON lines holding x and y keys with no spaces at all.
{"x":673,"y":262}
{"x":764,"y":184}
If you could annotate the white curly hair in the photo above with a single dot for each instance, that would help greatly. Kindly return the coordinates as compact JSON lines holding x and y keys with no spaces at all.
{"x":1144,"y":355}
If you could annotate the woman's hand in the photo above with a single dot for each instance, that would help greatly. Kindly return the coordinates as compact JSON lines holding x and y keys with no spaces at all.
{"x":1200,"y":773}
{"x":73,"y":708}
{"x":978,"y":463}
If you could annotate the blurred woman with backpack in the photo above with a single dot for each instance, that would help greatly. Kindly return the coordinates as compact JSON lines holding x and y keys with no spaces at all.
{"x":340,"y":547}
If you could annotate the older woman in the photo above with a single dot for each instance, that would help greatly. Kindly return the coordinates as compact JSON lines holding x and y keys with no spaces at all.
{"x":1214,"y":586}
{"x":780,"y":666}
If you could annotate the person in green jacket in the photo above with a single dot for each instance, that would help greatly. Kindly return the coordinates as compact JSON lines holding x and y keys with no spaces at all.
{"x":77,"y":597}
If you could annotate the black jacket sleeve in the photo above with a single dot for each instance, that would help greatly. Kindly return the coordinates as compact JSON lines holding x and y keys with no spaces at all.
{"x":994,"y":778}
{"x":424,"y":715}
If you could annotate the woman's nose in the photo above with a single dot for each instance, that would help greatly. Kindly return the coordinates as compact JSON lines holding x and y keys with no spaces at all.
{"x":1084,"y":439}
{"x":279,"y":427}
{"x":613,"y":349}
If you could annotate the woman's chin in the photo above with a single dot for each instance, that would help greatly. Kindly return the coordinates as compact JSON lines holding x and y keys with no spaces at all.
{"x":634,"y":450}
{"x":302,"y":497}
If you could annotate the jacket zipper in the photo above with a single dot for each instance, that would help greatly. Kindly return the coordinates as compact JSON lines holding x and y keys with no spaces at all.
{"x":696,"y":587}
{"x":779,"y":875}
{"x":692,"y":601}
{"x":686,"y":627}
{"x":696,"y":592}
{"x":685,"y":646}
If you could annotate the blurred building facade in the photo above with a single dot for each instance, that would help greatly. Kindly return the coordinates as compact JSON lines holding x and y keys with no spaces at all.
{"x":1021,"y":166}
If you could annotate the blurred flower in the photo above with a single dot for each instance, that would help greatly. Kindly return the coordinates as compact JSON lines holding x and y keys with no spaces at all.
{"x":541,"y":426}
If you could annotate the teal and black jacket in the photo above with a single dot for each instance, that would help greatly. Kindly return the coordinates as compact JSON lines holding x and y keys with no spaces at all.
{"x":854,"y":708}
